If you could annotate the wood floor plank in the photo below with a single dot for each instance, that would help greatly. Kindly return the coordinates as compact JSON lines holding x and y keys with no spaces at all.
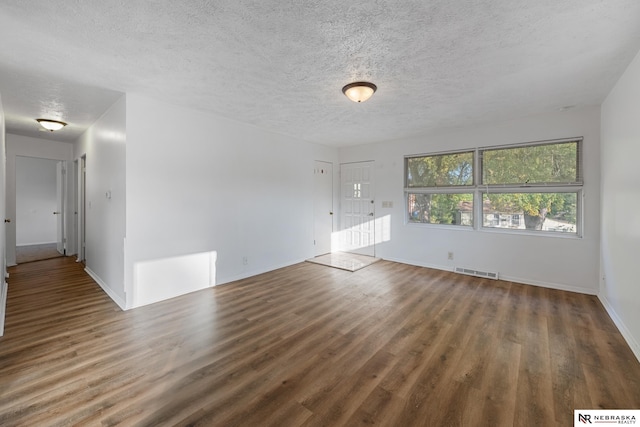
{"x":495,"y":402}
{"x":308,"y":345}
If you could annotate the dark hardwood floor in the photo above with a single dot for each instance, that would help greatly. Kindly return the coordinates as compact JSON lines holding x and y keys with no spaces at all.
{"x":308,"y":345}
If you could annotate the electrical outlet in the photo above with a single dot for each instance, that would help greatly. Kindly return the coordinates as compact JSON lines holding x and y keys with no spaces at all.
{"x":449,"y":255}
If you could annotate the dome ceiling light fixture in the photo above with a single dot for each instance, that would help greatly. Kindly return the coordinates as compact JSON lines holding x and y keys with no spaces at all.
{"x":359,"y":91}
{"x":51,"y":125}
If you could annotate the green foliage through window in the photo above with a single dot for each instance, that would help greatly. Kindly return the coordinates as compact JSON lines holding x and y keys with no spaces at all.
{"x":530,"y":211}
{"x":453,"y":209}
{"x":531,"y":164}
{"x":440,"y":170}
{"x":535,"y":187}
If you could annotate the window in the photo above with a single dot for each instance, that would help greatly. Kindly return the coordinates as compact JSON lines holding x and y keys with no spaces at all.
{"x":538,"y":164}
{"x":539,"y":184}
{"x":440,"y":170}
{"x":534,"y":187}
{"x":438,"y":188}
{"x":445,"y":208}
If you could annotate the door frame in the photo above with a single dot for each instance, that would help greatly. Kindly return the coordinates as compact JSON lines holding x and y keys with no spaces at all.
{"x":59,"y":211}
{"x":14,"y":148}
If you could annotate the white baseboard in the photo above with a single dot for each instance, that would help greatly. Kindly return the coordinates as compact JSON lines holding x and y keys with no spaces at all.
{"x":507,"y":278}
{"x":557,"y":286}
{"x":35,"y":243}
{"x":256,"y":272}
{"x":626,"y":334}
{"x":420,"y":264}
{"x":106,"y":289}
{"x":3,"y":305}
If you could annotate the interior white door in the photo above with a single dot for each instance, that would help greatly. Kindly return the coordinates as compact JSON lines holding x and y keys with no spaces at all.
{"x":59,"y":212}
{"x":357,"y":232}
{"x":323,"y":207}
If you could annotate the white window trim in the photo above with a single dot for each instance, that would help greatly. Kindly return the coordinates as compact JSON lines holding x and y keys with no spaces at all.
{"x":478,"y":190}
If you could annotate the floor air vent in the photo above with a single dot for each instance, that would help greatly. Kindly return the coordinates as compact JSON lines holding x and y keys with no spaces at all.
{"x":477,"y":273}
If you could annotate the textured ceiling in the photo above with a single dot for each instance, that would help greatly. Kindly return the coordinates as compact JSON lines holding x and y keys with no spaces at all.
{"x":280,"y":65}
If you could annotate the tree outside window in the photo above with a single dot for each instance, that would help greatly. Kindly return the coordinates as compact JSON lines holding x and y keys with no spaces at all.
{"x":535,"y":187}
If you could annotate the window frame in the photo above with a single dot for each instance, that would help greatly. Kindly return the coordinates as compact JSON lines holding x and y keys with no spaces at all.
{"x":441,"y":189}
{"x":578,"y":182}
{"x":479,"y":189}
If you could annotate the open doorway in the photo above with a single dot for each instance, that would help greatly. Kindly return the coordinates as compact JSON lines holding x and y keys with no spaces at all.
{"x":39,"y":209}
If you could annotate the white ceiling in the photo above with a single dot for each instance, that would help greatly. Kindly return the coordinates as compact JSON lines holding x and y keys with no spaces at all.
{"x":280,"y":65}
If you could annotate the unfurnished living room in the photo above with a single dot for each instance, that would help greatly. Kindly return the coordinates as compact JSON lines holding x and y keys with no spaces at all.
{"x":419,"y":213}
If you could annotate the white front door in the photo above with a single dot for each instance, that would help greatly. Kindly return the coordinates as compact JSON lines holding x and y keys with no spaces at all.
{"x":323,"y":207}
{"x":357,"y":231}
{"x":59,"y":212}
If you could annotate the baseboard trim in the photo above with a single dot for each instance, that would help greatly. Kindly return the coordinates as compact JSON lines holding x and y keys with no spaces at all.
{"x":247,"y":274}
{"x":106,"y":289}
{"x":3,"y":305}
{"x":626,"y":334}
{"x":507,"y":278}
{"x":35,"y":244}
{"x":557,"y":286}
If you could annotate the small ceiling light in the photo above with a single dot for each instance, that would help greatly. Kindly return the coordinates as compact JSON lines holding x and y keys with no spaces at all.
{"x":51,"y":125}
{"x":359,"y":91}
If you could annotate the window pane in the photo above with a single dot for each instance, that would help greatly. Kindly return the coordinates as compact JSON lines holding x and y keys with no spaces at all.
{"x":530,"y":211}
{"x":454,"y":209}
{"x":535,"y":164}
{"x":440,"y":170}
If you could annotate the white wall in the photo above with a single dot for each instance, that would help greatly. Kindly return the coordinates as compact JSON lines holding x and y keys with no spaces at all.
{"x":557,"y":262}
{"x":36,"y":200}
{"x":201,"y":187}
{"x":18,"y":145}
{"x":104,"y":145}
{"x":620,"y":291}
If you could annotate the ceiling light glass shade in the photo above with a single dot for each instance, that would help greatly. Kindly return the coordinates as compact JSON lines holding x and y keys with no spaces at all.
{"x":51,"y":125}
{"x":359,"y":91}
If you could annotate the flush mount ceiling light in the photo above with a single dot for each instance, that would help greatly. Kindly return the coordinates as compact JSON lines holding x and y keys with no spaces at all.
{"x":51,"y":125}
{"x":359,"y":91}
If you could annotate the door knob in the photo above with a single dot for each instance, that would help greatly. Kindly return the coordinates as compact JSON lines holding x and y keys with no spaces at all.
{"x":56,"y":213}
{"x":371,"y":214}
{"x":7,"y":220}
